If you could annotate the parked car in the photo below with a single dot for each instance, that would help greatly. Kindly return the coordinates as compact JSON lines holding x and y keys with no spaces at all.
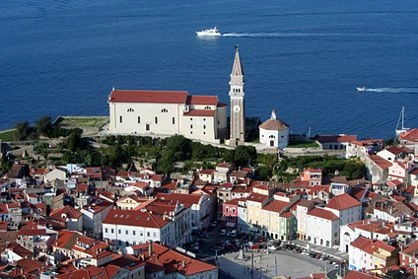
{"x":234,"y":233}
{"x":223,"y":232}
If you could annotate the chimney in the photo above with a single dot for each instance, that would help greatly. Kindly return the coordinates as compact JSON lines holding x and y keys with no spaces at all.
{"x":150,"y":248}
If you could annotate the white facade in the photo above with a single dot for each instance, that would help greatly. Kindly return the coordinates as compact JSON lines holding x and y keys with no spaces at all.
{"x":322,"y":231}
{"x":167,"y":113}
{"x":274,"y":132}
{"x":125,"y":235}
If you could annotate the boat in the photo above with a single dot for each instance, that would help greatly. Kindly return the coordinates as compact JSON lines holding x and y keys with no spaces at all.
{"x":212,"y":32}
{"x":361,"y":89}
{"x":400,"y":125}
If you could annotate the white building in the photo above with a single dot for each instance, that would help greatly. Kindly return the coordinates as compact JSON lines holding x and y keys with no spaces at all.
{"x":346,"y":208}
{"x":323,"y":227}
{"x":93,"y":215}
{"x":130,"y":227}
{"x":146,"y":112}
{"x":274,"y":132}
{"x":201,"y":207}
{"x":371,"y":254}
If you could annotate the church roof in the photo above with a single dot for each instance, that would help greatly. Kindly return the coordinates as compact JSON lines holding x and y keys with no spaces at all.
{"x":202,"y":100}
{"x":274,"y":124}
{"x":200,"y":112}
{"x":148,"y":96}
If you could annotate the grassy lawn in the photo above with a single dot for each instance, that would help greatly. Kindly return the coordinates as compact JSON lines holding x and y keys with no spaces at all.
{"x":303,"y":144}
{"x":95,"y":122}
{"x":8,"y":135}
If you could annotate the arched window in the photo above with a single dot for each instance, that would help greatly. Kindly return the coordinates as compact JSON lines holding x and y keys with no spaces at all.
{"x":130,"y":110}
{"x":164,"y":110}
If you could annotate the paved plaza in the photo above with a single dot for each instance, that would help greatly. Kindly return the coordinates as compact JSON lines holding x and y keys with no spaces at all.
{"x":288,"y":263}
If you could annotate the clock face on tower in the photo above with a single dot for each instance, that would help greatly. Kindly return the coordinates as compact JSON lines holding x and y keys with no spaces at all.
{"x":237,"y":108}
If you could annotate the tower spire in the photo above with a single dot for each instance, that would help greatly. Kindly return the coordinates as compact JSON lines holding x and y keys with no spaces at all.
{"x":237,"y":101}
{"x":237,"y":69}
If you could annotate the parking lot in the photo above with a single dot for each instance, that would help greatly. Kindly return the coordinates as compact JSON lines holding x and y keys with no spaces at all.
{"x":267,"y":257}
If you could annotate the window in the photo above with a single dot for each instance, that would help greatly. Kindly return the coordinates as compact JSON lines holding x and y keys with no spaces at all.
{"x":139,"y":119}
{"x":148,"y":234}
{"x":191,"y":126}
{"x":120,"y":119}
{"x":204,"y":126}
{"x":141,"y":233}
{"x":156,"y":120}
{"x":130,"y":110}
{"x":207,"y":107}
{"x":105,"y":230}
{"x":204,"y":119}
{"x":134,"y":232}
{"x":112,"y":231}
{"x":154,"y":234}
{"x":174,"y":120}
{"x":119,"y":231}
{"x":164,"y":110}
{"x":126,"y":232}
{"x":147,"y":127}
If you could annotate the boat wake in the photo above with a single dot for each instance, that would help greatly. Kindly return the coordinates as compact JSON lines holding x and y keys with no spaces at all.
{"x":390,"y":90}
{"x":294,"y":34}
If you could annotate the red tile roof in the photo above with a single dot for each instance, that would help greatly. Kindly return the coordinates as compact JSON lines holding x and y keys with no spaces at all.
{"x":139,"y":218}
{"x":359,"y":275}
{"x":69,"y":211}
{"x":411,"y":249}
{"x":172,"y":261}
{"x":257,"y":197}
{"x":380,"y":162}
{"x":371,"y":245}
{"x":181,"y":198}
{"x":202,"y":100}
{"x":322,"y":213}
{"x":200,"y":113}
{"x":274,"y":125}
{"x":410,"y":135}
{"x":342,"y":202}
{"x":276,"y":206}
{"x":148,"y":96}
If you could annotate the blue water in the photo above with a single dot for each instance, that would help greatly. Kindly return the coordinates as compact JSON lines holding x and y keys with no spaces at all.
{"x":302,"y":57}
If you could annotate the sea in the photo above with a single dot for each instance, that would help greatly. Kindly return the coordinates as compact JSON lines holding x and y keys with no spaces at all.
{"x":303,"y":58}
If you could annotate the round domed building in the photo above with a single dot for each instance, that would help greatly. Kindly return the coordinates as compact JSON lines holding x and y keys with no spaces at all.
{"x":274,"y":132}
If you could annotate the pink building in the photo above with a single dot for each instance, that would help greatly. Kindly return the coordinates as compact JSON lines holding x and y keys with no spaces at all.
{"x":230,"y":211}
{"x":314,"y":176}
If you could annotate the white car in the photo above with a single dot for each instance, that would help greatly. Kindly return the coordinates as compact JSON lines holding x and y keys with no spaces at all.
{"x":223,"y":232}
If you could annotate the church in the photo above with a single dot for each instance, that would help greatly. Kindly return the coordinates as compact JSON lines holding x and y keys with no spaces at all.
{"x":167,"y":113}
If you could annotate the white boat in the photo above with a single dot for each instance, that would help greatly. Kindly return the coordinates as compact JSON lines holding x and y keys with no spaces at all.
{"x":400,"y":125}
{"x":212,"y":32}
{"x":361,"y":89}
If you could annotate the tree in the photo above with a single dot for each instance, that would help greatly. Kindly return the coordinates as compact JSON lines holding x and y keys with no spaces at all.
{"x":22,"y":130}
{"x":44,"y":125}
{"x":244,"y":154}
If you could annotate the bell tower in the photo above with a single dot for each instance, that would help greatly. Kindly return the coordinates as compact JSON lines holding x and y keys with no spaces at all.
{"x":237,"y":102}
